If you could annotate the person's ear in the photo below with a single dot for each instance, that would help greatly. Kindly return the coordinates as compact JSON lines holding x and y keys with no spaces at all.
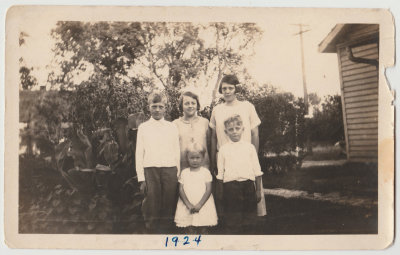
{"x":225,"y":131}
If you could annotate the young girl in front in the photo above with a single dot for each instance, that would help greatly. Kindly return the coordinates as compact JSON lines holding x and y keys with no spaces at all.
{"x":195,"y":210}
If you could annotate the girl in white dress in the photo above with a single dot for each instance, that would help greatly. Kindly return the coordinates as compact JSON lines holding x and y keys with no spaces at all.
{"x":196,"y":207}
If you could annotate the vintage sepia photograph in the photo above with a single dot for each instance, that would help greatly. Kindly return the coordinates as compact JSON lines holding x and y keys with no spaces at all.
{"x":182,"y":127}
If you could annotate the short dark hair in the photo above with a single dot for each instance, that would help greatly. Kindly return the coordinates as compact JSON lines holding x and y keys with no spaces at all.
{"x":230,"y":79}
{"x":157,"y":97}
{"x":189,"y":94}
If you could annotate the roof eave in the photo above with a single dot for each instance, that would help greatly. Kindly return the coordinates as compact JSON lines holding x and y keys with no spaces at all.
{"x":328,"y":44}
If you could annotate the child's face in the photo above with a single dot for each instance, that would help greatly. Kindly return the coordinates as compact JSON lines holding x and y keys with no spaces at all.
{"x":157,"y":110}
{"x":189,"y":106}
{"x":234,"y":130}
{"x":228,"y":91}
{"x":195,"y":158}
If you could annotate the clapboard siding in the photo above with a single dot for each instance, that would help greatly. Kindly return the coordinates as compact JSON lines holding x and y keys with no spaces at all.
{"x":360,"y":82}
{"x":364,"y":86}
{"x":362,"y":120}
{"x":363,"y":142}
{"x":360,"y":76}
{"x":362,"y":109}
{"x":362,"y":115}
{"x":353,"y":65}
{"x":363,"y":126}
{"x":361,"y":49}
{"x":347,"y":62}
{"x":359,"y":70}
{"x":365,"y":137}
{"x":363,"y":92}
{"x":361,"y":104}
{"x":364,"y":154}
{"x":364,"y":147}
{"x":360,"y":99}
{"x":370,"y":53}
{"x":362,"y":131}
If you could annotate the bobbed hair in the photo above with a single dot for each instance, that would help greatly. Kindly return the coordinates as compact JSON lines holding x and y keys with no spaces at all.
{"x":230,"y":79}
{"x":188,"y":94}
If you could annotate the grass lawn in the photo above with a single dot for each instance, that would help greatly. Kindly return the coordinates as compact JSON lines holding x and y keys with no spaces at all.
{"x":351,"y":179}
{"x":285,"y":215}
{"x":305,"y":216}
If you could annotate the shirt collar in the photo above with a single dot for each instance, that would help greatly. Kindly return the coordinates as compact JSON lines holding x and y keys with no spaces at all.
{"x":162,"y":120}
{"x":238,"y":142}
{"x":189,"y":122}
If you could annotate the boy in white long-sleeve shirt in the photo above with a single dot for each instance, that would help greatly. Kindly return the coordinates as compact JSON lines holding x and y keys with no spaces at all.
{"x":157,"y":165}
{"x":239,"y":179}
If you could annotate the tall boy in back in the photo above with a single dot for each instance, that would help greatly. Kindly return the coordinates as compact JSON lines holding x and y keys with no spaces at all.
{"x":157,"y":165}
{"x":238,"y":169}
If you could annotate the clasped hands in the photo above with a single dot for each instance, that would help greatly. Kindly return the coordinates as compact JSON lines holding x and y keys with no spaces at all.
{"x":194,"y":208}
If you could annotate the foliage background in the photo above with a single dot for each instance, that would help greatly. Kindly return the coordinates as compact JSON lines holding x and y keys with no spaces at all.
{"x":106,"y":70}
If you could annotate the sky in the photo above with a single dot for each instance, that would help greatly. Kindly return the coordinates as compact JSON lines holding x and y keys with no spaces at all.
{"x":276,"y":59}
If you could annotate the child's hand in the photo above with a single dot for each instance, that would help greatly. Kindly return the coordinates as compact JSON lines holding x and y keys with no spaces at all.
{"x":143,"y":188}
{"x":190,"y":207}
{"x":196,"y":208}
{"x":258,"y":196}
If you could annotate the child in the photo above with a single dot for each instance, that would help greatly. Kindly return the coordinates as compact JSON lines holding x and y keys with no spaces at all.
{"x":157,"y":165}
{"x":229,"y":87}
{"x":195,"y":206}
{"x":238,"y":168}
{"x":192,"y":128}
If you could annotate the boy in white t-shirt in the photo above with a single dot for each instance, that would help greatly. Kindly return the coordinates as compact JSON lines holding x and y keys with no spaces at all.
{"x":238,"y":171}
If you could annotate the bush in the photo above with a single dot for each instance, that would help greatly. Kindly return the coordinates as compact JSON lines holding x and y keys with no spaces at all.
{"x":327,"y":124}
{"x":79,"y":198}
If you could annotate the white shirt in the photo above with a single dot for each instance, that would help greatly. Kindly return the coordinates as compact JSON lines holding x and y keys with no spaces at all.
{"x":238,"y":161}
{"x":157,"y":146}
{"x":222,"y":112}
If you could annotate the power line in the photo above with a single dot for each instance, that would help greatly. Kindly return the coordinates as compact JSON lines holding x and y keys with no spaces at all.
{"x":300,"y":33}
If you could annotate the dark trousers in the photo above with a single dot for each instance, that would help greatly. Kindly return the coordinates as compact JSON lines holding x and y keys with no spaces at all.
{"x":240,"y":206}
{"x":161,"y":198}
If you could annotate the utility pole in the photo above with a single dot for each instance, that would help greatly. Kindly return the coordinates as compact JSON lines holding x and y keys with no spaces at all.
{"x":306,"y":112}
{"x":300,"y":33}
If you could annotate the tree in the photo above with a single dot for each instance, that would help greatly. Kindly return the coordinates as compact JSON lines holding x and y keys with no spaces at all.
{"x":172,"y":58}
{"x":282,"y":120}
{"x":327,"y":124}
{"x":27,"y":80}
{"x":232,"y":43}
{"x":95,"y":60}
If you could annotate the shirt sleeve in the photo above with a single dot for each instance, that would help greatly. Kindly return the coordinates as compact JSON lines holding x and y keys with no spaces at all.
{"x":139,"y":155}
{"x":181,"y":178}
{"x":206,"y":123}
{"x":207,"y":175}
{"x":221,"y":164}
{"x":255,"y":162}
{"x":213,"y":123}
{"x":177,"y":149}
{"x":254,"y":119}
